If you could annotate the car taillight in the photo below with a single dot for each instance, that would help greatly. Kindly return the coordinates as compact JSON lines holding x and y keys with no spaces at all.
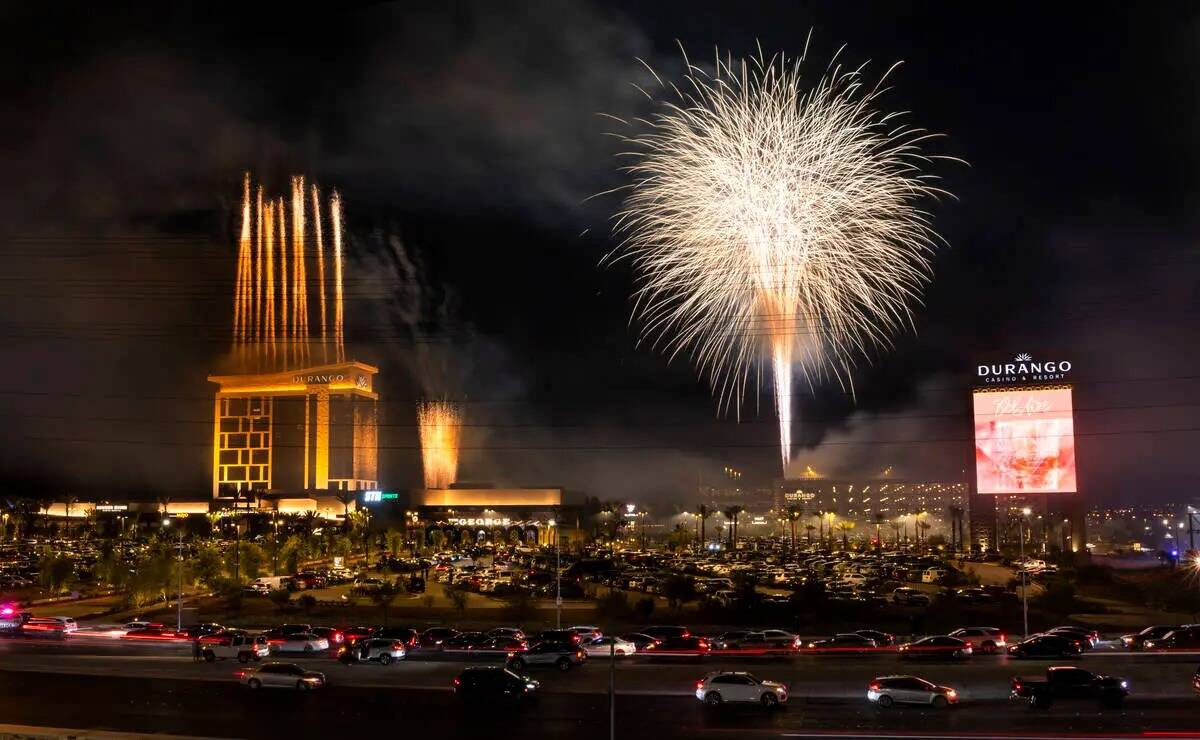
{"x":397,"y":646}
{"x":1003,"y":637}
{"x":699,"y":684}
{"x":875,"y":686}
{"x":457,"y":681}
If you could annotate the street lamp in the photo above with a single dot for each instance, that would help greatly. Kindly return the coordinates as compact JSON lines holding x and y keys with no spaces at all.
{"x":557,"y":578}
{"x":1024,"y":572}
{"x":166,"y":522}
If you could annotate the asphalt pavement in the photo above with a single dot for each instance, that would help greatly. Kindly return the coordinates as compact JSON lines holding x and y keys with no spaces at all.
{"x":115,"y":684}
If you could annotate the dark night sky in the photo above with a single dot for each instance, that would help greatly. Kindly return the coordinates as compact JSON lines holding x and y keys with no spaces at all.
{"x":467,"y":132}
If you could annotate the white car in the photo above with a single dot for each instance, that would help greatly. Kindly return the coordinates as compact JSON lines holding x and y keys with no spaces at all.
{"x":600,"y":647}
{"x":888,"y":690}
{"x":586,"y":632}
{"x":301,"y":642}
{"x":723,"y":687}
{"x":281,"y":676}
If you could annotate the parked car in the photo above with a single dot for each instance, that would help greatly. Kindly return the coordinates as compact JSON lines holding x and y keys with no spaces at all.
{"x":242,"y":646}
{"x":847,"y":643}
{"x":724,"y":687}
{"x":661,"y":632}
{"x":562,"y":655}
{"x":281,"y":676}
{"x":888,"y":690}
{"x":909,"y":597}
{"x":1069,"y":682}
{"x":379,"y":649}
{"x":603,"y":647}
{"x":936,"y":647}
{"x":678,"y":646}
{"x":586,"y":632}
{"x":301,"y":642}
{"x":1138,"y":640}
{"x":493,"y":684}
{"x":882,"y":639}
{"x":640,"y":639}
{"x":556,"y":636}
{"x":986,"y":640}
{"x":434,"y":637}
{"x":1046,"y":646}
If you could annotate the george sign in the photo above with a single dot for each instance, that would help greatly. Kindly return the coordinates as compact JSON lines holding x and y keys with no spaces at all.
{"x":480,"y":522}
{"x":1023,"y":369}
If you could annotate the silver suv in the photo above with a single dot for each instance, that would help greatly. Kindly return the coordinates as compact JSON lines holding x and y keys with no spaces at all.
{"x":562,"y":656}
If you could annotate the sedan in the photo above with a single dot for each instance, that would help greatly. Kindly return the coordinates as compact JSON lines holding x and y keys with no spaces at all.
{"x":685,"y":646}
{"x":936,"y":647}
{"x":281,"y":676}
{"x":515,"y":633}
{"x":642,"y":641}
{"x":719,"y":688}
{"x":844,"y":644}
{"x":1046,"y":646}
{"x":586,"y":632}
{"x":1138,"y":640}
{"x":602,"y":647}
{"x":882,"y":639}
{"x":888,"y":690}
{"x":301,"y":642}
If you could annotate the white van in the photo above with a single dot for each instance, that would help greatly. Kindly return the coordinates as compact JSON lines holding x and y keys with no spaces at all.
{"x":933,"y":575}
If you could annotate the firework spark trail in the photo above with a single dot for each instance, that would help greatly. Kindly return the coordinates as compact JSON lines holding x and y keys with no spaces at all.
{"x":240,"y":302}
{"x":316,"y":205}
{"x":335,"y":223}
{"x":440,"y":423}
{"x":258,"y":267}
{"x":271,"y":313}
{"x":773,"y":223}
{"x":300,"y":292}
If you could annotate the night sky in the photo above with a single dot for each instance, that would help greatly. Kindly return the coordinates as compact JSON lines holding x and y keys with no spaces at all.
{"x":466,"y":140}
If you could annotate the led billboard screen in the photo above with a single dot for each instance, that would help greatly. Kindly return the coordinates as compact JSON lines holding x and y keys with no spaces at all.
{"x":1024,"y":441}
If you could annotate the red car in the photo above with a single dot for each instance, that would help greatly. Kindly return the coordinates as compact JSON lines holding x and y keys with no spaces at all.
{"x":154,"y":633}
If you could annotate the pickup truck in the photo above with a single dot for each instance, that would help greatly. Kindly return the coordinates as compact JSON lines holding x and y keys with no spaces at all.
{"x":1069,"y":682}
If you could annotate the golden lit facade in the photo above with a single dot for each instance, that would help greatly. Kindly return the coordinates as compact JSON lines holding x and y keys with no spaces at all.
{"x":311,"y":429}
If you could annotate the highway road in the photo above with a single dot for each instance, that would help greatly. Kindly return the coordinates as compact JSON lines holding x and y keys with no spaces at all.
{"x":156,"y":687}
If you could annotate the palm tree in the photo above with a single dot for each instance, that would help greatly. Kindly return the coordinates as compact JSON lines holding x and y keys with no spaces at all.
{"x":360,"y":520}
{"x":844,"y":527}
{"x":346,"y":498}
{"x":808,"y":528}
{"x":794,"y":514}
{"x":821,"y":527}
{"x":923,"y":528}
{"x":956,"y":516}
{"x":896,"y":532}
{"x":879,"y":519}
{"x":704,"y":513}
{"x":214,"y":521}
{"x":732,"y":514}
{"x":71,"y":501}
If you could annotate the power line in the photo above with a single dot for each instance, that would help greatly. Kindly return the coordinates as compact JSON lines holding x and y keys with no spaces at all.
{"x":604,"y":448}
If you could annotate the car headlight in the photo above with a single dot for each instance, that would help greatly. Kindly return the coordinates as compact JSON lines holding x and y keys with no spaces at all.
{"x":531,"y":685}
{"x":1124,"y":684}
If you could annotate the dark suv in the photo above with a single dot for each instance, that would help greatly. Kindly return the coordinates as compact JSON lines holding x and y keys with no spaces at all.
{"x":493,"y":683}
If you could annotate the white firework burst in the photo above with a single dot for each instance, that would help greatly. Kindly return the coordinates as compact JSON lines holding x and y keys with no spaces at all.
{"x":774,"y":222}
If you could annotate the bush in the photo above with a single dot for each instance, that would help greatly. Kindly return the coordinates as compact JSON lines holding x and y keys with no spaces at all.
{"x":1058,"y":598}
{"x":280,"y":598}
{"x":613,"y":606}
{"x":458,"y":597}
{"x":679,"y":590}
{"x":307,"y":602}
{"x":644,"y":608}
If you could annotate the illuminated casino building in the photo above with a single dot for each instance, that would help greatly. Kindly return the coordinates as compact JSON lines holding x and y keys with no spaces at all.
{"x":296,"y":423}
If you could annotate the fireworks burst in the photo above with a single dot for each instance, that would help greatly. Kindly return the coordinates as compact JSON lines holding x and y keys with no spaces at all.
{"x":774,"y":223}
{"x":440,"y":423}
{"x":262,"y":333}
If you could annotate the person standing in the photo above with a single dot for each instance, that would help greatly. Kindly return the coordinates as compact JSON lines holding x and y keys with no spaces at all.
{"x":196,"y":650}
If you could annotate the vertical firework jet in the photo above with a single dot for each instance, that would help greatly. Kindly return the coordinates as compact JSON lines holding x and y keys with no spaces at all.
{"x":271,"y":316}
{"x":440,"y":423}
{"x":774,"y":224}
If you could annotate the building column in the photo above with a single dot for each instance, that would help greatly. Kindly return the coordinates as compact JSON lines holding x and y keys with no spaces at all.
{"x":322,"y":440}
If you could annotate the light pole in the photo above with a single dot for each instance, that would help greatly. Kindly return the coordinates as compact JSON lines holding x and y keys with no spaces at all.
{"x":179,"y":604}
{"x":1024,"y":572}
{"x":557,"y":578}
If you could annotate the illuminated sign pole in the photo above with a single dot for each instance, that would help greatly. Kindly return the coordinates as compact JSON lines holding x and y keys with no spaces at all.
{"x":1024,"y":574}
